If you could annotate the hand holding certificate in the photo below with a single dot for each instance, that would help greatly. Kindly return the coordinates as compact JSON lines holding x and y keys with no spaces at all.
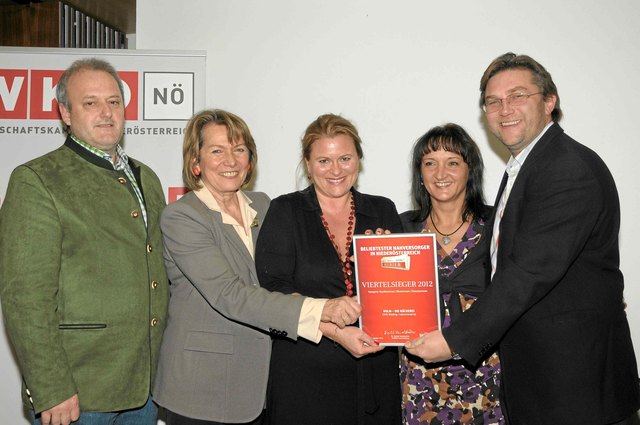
{"x":397,"y":282}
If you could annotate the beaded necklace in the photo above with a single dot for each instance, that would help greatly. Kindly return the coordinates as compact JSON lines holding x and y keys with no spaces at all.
{"x":346,"y":265}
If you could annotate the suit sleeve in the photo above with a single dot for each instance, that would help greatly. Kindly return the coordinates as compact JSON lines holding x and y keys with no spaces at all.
{"x":30,"y":260}
{"x":545,"y":227}
{"x":191,"y":245}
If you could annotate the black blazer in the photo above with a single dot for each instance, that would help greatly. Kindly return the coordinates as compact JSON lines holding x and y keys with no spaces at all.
{"x":292,"y":225}
{"x":471,"y":277}
{"x":555,"y":302}
{"x":294,"y":254}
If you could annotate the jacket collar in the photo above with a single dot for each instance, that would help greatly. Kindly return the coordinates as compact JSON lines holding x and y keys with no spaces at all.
{"x":554,"y":131}
{"x":88,"y":156}
{"x":101,"y":162}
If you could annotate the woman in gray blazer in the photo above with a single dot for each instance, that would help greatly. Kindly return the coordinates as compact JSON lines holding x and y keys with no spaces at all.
{"x":214,"y":360}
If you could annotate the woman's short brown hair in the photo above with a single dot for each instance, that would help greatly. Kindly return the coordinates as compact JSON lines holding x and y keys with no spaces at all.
{"x":237,"y":131}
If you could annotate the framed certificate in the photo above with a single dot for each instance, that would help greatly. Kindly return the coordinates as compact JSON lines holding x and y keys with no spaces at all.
{"x":397,"y":281}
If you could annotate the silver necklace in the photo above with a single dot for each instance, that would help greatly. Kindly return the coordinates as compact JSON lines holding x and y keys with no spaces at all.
{"x":445,"y":238}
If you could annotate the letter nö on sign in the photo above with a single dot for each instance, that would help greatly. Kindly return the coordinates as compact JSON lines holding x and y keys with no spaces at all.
{"x":168,"y":95}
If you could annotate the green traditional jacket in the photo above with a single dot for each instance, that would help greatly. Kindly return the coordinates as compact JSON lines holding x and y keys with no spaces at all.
{"x":82,"y":282}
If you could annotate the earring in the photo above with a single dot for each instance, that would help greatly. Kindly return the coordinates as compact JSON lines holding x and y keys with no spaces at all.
{"x":196,"y":170}
{"x":249,"y":167}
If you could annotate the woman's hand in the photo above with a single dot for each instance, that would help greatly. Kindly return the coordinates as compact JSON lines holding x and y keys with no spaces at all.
{"x":378,"y":231}
{"x":341,"y":311}
{"x":352,"y":339}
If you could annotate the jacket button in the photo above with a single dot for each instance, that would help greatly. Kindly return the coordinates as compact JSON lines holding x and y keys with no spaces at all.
{"x":149,"y":249}
{"x":154,"y":284}
{"x":154,"y":322}
{"x":122,"y":180}
{"x":135,"y":213}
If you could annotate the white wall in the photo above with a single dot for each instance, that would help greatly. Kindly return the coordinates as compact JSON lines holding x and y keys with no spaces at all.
{"x":398,"y":68}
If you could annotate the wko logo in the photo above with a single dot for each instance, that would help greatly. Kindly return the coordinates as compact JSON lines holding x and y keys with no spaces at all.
{"x":31,"y":94}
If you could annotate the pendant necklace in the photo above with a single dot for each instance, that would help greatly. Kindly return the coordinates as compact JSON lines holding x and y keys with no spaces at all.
{"x":445,"y":238}
{"x":346,"y":265}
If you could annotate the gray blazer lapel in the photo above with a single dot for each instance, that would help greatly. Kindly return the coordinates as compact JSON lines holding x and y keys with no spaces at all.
{"x":235,"y":243}
{"x":260,"y":204}
{"x":255,"y":229}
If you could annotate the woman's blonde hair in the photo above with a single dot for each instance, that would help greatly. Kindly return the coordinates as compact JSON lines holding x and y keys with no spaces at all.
{"x":237,"y":131}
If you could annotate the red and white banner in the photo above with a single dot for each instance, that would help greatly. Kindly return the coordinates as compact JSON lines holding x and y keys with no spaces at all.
{"x":163,"y":89}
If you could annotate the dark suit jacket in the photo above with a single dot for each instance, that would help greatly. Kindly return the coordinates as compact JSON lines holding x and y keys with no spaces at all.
{"x":555,"y":302}
{"x":293,"y":227}
{"x":294,"y":254}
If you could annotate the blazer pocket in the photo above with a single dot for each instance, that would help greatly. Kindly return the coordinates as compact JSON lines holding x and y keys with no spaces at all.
{"x":82,"y":326}
{"x":209,"y":342}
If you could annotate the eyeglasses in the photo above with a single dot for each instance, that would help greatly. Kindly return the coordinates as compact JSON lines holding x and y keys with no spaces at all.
{"x":494,"y":104}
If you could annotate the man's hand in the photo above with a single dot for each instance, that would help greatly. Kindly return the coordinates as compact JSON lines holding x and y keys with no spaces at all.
{"x":352,"y":339}
{"x":62,"y":414}
{"x":432,"y":347}
{"x":342,"y":311}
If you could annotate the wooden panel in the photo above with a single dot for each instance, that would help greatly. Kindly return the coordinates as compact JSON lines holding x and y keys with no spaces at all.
{"x":38,"y":24}
{"x":32,"y":25}
{"x":119,"y":14}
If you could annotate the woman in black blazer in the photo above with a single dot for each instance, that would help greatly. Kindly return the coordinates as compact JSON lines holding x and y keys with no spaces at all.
{"x":304,"y":247}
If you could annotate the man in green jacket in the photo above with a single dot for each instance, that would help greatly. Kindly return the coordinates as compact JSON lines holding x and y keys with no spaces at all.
{"x":82,"y":282}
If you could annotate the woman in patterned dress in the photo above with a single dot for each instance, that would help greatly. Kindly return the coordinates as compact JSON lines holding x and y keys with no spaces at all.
{"x":447,"y":188}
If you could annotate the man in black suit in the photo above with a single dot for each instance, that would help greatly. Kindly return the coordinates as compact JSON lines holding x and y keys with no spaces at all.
{"x":554,"y":304}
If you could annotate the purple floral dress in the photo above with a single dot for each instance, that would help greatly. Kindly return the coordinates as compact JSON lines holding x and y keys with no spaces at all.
{"x":452,"y":392}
